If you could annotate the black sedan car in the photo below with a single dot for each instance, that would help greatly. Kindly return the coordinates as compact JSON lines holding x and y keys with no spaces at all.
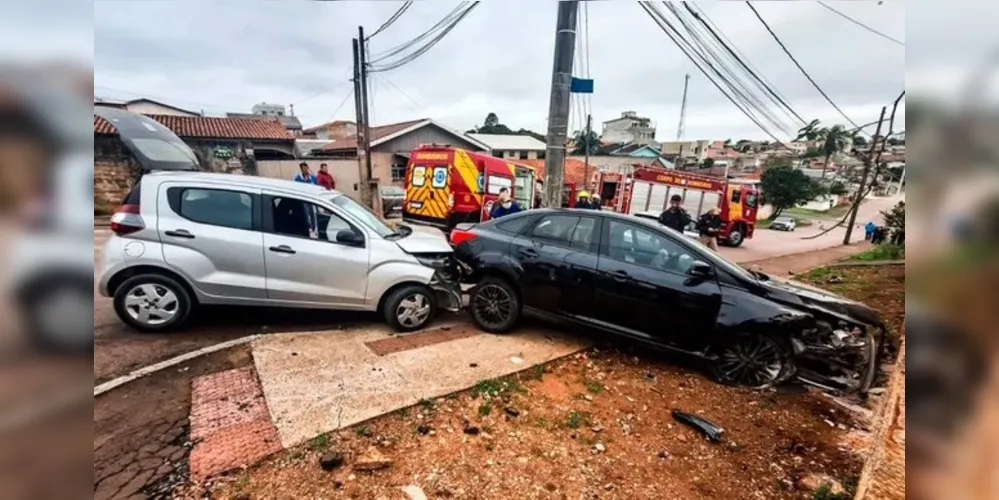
{"x":638,"y":279}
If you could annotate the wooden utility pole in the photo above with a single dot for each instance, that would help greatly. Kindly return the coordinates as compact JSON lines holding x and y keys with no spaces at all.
{"x":868,"y":163}
{"x":369,"y":191}
{"x":586,"y":144}
{"x":558,"y":109}
{"x":362,"y":172}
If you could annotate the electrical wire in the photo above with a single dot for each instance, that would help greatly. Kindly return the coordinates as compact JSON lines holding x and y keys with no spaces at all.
{"x":422,"y":50}
{"x":800,"y":68}
{"x":667,"y":28}
{"x":422,"y":36}
{"x":444,"y":26}
{"x":402,"y":10}
{"x":388,"y":83}
{"x":340,"y":106}
{"x":862,"y":25}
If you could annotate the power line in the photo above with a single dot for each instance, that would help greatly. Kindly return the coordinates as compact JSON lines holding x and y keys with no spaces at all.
{"x":392,"y":19}
{"x":386,"y":81}
{"x":862,"y":25}
{"x":321,"y":92}
{"x":339,"y":107}
{"x":800,"y":68}
{"x":445,"y":21}
{"x":430,"y":44}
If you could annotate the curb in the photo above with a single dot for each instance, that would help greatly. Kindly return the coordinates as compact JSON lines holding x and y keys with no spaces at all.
{"x":875,"y":263}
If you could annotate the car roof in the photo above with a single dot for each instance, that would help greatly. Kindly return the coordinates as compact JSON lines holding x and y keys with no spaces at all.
{"x":602,"y":213}
{"x":242,"y":180}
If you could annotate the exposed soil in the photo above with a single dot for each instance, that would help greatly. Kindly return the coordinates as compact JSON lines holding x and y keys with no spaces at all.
{"x":140,"y":429}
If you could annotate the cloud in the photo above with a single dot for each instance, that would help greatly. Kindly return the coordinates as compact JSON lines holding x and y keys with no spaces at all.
{"x":221,"y":57}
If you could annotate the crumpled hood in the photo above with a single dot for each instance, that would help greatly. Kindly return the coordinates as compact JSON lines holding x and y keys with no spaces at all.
{"x":805,"y":296}
{"x":425,"y":241}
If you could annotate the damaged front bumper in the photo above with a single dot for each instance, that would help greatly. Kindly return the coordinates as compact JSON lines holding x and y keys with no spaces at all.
{"x":446,"y":281}
{"x":839,"y":357}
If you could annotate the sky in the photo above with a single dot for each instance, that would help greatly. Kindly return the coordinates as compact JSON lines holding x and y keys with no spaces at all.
{"x":227,"y":56}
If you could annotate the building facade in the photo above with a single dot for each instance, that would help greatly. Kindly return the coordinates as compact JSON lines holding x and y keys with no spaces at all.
{"x":629,"y":128}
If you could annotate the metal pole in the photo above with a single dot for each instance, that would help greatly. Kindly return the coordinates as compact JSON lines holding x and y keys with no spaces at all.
{"x":901,"y":181}
{"x":372,"y":183}
{"x":683,"y":108}
{"x":868,"y":162}
{"x":586,"y":143}
{"x":558,"y":110}
{"x":362,"y":177}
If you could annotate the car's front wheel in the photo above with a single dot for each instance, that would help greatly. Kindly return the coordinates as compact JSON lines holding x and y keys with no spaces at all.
{"x":753,"y":360}
{"x":152,"y":303}
{"x":409,"y":308}
{"x":494,"y":305}
{"x":735,"y":237}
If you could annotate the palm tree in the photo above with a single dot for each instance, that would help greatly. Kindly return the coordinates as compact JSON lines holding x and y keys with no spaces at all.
{"x":834,"y":140}
{"x":811,"y":132}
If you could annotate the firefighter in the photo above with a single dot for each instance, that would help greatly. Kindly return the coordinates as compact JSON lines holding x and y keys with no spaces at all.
{"x":708,"y":227}
{"x":675,"y":217}
{"x":595,"y":202}
{"x":583,"y":201}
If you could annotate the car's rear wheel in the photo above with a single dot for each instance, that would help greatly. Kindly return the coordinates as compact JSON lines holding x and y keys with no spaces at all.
{"x":757,"y":361}
{"x":409,"y":308}
{"x":152,"y":303}
{"x":494,"y":305}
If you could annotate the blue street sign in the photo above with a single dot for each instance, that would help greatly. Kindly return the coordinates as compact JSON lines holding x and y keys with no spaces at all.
{"x":581,"y":86}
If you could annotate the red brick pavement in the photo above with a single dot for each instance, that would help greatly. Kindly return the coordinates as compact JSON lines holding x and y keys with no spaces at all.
{"x":230,"y":423}
{"x":401,"y":343}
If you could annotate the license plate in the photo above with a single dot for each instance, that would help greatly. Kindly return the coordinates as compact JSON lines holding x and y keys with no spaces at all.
{"x":416,"y":204}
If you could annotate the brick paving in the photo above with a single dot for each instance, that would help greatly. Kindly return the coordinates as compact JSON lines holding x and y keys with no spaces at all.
{"x":384,"y":347}
{"x":883,"y":476}
{"x":230,"y":423}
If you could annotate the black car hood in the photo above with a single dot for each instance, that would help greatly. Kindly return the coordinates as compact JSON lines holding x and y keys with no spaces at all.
{"x":810,"y":298}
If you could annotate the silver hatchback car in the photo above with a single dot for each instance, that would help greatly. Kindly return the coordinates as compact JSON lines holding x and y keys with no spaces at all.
{"x":184,"y":239}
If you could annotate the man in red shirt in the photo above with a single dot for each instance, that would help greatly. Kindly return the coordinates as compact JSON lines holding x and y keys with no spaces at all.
{"x":324,"y":178}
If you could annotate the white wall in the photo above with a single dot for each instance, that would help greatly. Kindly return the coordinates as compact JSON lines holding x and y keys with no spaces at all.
{"x":149,"y":108}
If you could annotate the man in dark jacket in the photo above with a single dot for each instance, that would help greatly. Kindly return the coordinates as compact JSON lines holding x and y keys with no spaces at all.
{"x":675,"y":216}
{"x":708,"y":226}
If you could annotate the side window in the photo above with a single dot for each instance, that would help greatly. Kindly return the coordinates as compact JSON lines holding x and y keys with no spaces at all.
{"x":302,"y":219}
{"x":514,"y":225}
{"x":440,"y":176}
{"x":496,"y":184}
{"x":555,"y":228}
{"x":644,"y":247}
{"x":752,"y":200}
{"x":419,"y":175}
{"x":584,"y":234}
{"x":736,"y":196}
{"x":215,"y":207}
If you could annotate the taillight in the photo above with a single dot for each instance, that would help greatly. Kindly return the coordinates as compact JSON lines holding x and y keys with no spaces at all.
{"x":127,"y":220}
{"x":459,"y":236}
{"x":450,"y":201}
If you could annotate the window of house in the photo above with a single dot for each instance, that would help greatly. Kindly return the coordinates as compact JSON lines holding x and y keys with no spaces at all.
{"x":216,"y":207}
{"x":398,"y":172}
{"x":521,"y":155}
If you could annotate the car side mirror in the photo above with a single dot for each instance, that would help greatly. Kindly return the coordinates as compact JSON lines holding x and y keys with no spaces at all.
{"x":350,"y":237}
{"x":700,"y":269}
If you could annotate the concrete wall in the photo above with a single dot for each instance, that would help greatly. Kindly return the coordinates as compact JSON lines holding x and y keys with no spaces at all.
{"x":149,"y":108}
{"x":114,"y":171}
{"x":344,"y":171}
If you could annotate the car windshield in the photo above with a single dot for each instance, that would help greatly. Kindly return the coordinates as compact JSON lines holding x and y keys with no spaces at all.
{"x":363,"y":214}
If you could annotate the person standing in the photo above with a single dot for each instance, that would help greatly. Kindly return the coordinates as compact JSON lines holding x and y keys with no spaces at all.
{"x":595,"y":202}
{"x":708,"y":226}
{"x":504,"y":205}
{"x":675,"y":217}
{"x":324,"y":178}
{"x":583,"y":202}
{"x":869,"y":230}
{"x":304,"y":174}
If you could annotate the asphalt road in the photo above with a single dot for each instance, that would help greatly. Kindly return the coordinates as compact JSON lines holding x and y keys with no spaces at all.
{"x":118,"y":349}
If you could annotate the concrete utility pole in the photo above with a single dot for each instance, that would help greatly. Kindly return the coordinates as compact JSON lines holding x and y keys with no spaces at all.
{"x":586,"y":144}
{"x":558,"y":110}
{"x":362,"y":172}
{"x":683,"y":108}
{"x":372,"y":195}
{"x":868,"y":162}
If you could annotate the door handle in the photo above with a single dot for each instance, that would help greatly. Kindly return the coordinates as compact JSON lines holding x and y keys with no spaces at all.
{"x":282,"y":249}
{"x":180,"y":233}
{"x":620,"y":275}
{"x":528,"y":252}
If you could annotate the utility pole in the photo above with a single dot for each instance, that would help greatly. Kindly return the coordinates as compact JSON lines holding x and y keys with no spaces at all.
{"x":362,"y":172}
{"x":558,"y":109}
{"x":683,"y":108}
{"x":586,"y":144}
{"x":868,"y":162}
{"x":371,"y":186}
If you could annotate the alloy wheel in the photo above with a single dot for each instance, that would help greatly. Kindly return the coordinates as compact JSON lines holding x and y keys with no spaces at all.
{"x":735,"y":238}
{"x":753,"y":360}
{"x":493,"y":305}
{"x":152,"y":304}
{"x":413,"y":310}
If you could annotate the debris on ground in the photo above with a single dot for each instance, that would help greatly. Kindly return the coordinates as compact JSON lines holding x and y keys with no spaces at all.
{"x":372,"y":460}
{"x":331,"y":461}
{"x":414,"y":492}
{"x":710,"y":430}
{"x":821,"y":485}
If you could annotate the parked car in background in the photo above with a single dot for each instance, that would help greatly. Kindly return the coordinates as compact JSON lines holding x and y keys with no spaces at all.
{"x":646,"y":282}
{"x":393,"y":198}
{"x":182,"y":240}
{"x":784,"y":223}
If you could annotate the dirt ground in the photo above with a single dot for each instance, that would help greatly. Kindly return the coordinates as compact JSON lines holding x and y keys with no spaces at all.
{"x":141,"y":431}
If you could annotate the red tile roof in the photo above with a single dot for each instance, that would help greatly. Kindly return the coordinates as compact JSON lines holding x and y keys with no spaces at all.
{"x":207,"y":127}
{"x":379,"y":132}
{"x":327,"y":125}
{"x":574,"y":170}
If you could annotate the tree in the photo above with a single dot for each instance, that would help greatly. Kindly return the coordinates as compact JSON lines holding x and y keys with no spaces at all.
{"x":838,"y":188}
{"x":728,"y":142}
{"x":830,"y":140}
{"x":786,"y":187}
{"x":579,"y":140}
{"x":860,"y":141}
{"x":491,"y":120}
{"x":811,"y":132}
{"x":895,"y":222}
{"x":708,"y":162}
{"x":894,"y":141}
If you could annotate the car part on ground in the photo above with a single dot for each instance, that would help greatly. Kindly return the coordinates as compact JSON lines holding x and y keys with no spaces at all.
{"x":710,"y":430}
{"x":181,"y":240}
{"x":631,"y":277}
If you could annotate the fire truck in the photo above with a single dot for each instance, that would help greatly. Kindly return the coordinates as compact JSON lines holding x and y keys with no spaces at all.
{"x":447,"y":186}
{"x":648,"y":190}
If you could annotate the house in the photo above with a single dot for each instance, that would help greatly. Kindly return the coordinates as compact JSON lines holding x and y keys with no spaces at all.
{"x":722,"y":155}
{"x":391,"y":145}
{"x":146,"y":107}
{"x":696,"y":150}
{"x":332,"y":131}
{"x":264,"y":111}
{"x":512,"y":146}
{"x":230,"y":145}
{"x":629,"y":128}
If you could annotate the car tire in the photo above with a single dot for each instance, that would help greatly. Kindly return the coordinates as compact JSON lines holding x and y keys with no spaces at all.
{"x":409,"y":308}
{"x":773,"y":366}
{"x":132,"y":307}
{"x":51,"y":312}
{"x":494,"y":305}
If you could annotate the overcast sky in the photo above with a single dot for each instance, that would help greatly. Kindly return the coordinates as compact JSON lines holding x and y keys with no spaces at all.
{"x":227,"y":56}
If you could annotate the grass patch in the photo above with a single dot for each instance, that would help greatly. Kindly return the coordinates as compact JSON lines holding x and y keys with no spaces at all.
{"x":535,"y":373}
{"x":364,"y":431}
{"x":485,"y":409}
{"x":493,"y":388}
{"x":428,"y":405}
{"x":836,"y":212}
{"x":819,"y":274}
{"x":825,"y":493}
{"x":880,"y":252}
{"x":594,"y":386}
{"x":577,"y":419}
{"x":320,"y":442}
